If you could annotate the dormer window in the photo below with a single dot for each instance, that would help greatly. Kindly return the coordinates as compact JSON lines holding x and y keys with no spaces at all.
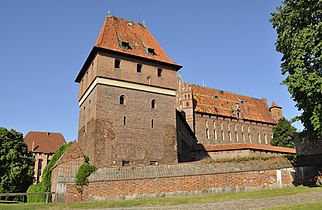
{"x":151,"y":51}
{"x":125,"y":45}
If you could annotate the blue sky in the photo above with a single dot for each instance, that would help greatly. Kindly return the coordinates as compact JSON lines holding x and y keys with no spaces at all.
{"x":226,"y":45}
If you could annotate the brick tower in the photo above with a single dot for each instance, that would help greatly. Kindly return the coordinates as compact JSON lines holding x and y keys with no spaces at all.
{"x":127,"y":98}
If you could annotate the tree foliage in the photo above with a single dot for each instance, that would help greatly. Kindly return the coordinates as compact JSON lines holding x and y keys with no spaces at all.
{"x":16,"y":162}
{"x":45,"y":184}
{"x":283,"y":134}
{"x":299,"y":29}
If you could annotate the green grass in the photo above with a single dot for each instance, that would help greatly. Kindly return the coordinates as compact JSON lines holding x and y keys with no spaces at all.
{"x":212,"y":198}
{"x":314,"y":205}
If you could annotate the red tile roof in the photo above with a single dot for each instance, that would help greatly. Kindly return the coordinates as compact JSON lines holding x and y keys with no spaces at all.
{"x":134,"y":35}
{"x":117,"y":34}
{"x":44,"y":142}
{"x":212,"y":101}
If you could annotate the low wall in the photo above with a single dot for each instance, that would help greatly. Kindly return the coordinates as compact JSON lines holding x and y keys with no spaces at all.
{"x":180,"y":179}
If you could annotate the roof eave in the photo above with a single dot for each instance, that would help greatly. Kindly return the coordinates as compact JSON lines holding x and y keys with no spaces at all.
{"x":96,"y":49}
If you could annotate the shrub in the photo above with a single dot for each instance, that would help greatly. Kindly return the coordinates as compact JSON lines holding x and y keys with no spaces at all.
{"x":83,"y":172}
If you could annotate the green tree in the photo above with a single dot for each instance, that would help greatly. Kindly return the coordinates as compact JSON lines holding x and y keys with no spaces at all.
{"x":283,"y":134}
{"x":299,"y":29}
{"x":16,"y":162}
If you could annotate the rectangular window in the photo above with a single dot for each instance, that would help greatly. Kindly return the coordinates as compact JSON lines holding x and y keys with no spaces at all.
{"x":159,"y":72}
{"x":139,"y":68}
{"x":117,"y":63}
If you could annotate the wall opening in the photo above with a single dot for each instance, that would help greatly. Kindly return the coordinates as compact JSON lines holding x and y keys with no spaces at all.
{"x":153,"y":104}
{"x":122,"y":99}
{"x":159,"y":72}
{"x":117,"y":63}
{"x":139,"y":68}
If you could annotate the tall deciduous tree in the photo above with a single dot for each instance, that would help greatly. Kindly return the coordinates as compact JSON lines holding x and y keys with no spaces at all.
{"x":16,"y":162}
{"x":299,"y":29}
{"x":283,"y":134}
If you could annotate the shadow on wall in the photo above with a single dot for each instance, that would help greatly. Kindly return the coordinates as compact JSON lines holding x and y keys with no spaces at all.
{"x":308,"y":170}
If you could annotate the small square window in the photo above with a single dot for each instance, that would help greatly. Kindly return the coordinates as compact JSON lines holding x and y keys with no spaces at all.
{"x":139,"y":68}
{"x":159,"y":72}
{"x":117,"y":63}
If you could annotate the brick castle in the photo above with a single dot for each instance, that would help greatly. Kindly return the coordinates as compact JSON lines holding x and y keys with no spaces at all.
{"x":138,"y":119}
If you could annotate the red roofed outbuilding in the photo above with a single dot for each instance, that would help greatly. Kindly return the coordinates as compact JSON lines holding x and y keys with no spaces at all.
{"x":43,"y":145}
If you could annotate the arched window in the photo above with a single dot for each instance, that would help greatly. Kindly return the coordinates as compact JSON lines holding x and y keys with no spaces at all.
{"x":153,"y":104}
{"x":122,"y":99}
{"x":187,"y":104}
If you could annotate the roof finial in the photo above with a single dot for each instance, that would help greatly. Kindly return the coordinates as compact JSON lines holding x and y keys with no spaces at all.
{"x":143,"y":23}
{"x":108,"y":13}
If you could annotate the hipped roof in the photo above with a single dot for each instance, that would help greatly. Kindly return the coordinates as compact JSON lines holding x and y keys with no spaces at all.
{"x":227,"y":104}
{"x":118,"y":31}
{"x":44,"y":142}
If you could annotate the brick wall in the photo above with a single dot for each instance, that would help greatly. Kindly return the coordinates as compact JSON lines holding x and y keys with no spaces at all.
{"x":182,"y":179}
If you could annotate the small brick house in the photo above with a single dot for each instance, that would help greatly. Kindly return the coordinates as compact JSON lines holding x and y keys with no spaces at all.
{"x":43,"y":145}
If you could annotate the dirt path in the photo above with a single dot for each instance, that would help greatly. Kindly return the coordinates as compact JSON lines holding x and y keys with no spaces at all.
{"x":245,"y":203}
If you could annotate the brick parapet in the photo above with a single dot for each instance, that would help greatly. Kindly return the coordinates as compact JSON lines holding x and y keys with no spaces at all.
{"x":187,"y":169}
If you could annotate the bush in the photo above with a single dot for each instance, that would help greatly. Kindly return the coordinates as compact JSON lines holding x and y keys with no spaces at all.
{"x":83,"y":172}
{"x":45,"y":184}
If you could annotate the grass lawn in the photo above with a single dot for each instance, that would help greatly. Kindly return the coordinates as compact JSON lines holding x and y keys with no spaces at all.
{"x":212,"y":198}
{"x":315,"y":205}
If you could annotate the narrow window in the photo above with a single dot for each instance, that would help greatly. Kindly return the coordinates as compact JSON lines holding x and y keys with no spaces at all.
{"x":122,"y":99}
{"x":139,"y":68}
{"x":153,"y":104}
{"x":222,"y":131}
{"x":124,"y":120}
{"x":159,"y":72}
{"x":187,"y":104}
{"x":265,"y":137}
{"x":215,"y":131}
{"x":207,"y":133}
{"x":259,"y":138}
{"x":152,"y":123}
{"x":117,"y":63}
{"x":236,"y":136}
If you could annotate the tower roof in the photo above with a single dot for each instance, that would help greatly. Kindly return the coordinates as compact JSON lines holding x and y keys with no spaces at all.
{"x":128,"y":37}
{"x":124,"y":36}
{"x":274,"y":104}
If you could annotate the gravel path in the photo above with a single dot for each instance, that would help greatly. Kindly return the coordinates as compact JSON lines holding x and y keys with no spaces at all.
{"x":244,"y":204}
